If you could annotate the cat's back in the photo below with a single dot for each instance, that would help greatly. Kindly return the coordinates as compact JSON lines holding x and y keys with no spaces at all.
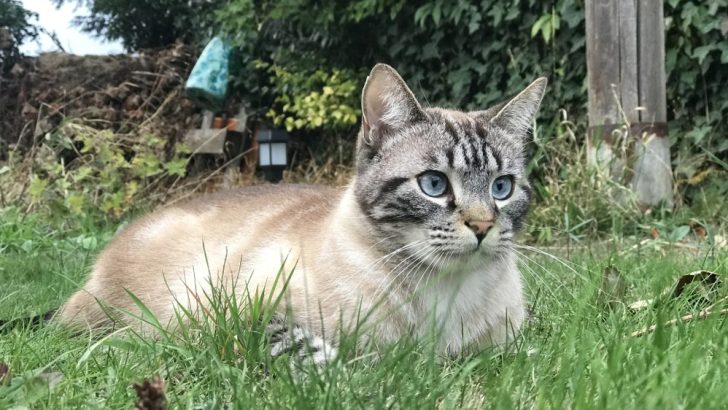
{"x":219,"y":223}
{"x":240,"y":207}
{"x":276,"y":195}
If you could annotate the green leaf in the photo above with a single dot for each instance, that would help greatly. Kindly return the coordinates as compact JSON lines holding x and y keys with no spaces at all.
{"x":437,"y":13}
{"x":27,"y":246}
{"x":679,"y":233}
{"x":37,"y":187}
{"x":176,"y":167}
{"x":701,"y":52}
{"x":536,"y":28}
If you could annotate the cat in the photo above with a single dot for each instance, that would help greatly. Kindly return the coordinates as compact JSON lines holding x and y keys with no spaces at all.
{"x":423,"y":234}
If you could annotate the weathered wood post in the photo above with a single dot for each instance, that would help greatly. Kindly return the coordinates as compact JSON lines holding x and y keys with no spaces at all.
{"x":627,"y":103}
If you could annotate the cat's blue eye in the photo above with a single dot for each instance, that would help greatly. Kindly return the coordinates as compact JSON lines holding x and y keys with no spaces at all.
{"x":502,"y":187}
{"x":433,"y":183}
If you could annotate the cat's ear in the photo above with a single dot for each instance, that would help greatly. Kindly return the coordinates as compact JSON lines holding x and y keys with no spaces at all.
{"x":517,"y":115}
{"x":387,"y":104}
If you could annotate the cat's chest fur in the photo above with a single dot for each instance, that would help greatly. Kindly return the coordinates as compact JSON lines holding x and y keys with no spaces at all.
{"x":336,"y":276}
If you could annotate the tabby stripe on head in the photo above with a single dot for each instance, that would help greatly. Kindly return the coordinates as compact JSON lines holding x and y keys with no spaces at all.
{"x":388,"y":187}
{"x":451,"y":131}
{"x":484,"y":150}
{"x":395,"y":207}
{"x":392,"y":218}
{"x":474,"y":140}
{"x":466,"y":154}
{"x":481,"y":132}
{"x":477,"y":154}
{"x":496,"y":157}
{"x":432,"y":159}
{"x":405,"y":209}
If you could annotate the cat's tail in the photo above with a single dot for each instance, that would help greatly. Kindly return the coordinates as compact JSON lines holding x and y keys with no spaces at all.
{"x":30,"y":321}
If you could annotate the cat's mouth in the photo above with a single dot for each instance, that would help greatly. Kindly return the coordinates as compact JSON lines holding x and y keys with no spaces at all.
{"x":469,"y":249}
{"x":468,"y":244}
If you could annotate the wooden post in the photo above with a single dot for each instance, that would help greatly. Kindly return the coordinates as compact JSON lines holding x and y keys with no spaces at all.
{"x":627,"y":101}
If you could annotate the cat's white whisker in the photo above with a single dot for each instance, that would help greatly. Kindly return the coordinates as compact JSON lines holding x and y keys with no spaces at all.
{"x":551,"y":282}
{"x":563,"y":262}
{"x":397,"y":270}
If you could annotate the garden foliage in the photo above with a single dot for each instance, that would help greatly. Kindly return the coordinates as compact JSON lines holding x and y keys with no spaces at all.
{"x":308,"y":58}
{"x":472,"y":54}
{"x":301,"y":64}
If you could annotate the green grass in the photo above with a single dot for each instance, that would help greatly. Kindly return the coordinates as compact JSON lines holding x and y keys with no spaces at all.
{"x":573,"y":353}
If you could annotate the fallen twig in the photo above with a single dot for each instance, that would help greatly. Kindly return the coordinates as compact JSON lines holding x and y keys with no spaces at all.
{"x":687,"y":318}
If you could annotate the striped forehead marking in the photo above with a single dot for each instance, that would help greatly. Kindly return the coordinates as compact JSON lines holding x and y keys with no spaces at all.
{"x":469,"y":140}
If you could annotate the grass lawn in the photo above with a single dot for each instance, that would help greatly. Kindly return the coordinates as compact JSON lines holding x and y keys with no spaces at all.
{"x":575,"y":352}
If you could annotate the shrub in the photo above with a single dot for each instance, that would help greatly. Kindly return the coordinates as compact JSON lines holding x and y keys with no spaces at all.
{"x":81,"y":171}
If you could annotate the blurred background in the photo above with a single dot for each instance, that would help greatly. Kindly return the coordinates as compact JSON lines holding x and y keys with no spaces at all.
{"x":95,"y":119}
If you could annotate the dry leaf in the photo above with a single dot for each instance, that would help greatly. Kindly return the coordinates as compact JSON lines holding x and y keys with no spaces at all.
{"x":706,"y":282}
{"x":700,"y":232}
{"x":701,"y":293}
{"x":703,"y":277}
{"x":654,"y":233}
{"x":150,"y":395}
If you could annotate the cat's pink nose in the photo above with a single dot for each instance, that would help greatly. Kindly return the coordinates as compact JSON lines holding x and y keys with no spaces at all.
{"x":479,"y":228}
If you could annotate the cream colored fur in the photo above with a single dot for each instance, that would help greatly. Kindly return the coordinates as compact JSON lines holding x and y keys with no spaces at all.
{"x":251,"y":232}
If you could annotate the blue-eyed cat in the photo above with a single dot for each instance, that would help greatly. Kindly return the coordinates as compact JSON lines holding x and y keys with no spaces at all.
{"x":423,"y":234}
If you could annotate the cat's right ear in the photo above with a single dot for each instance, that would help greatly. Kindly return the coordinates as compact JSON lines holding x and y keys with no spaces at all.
{"x":387,"y":104}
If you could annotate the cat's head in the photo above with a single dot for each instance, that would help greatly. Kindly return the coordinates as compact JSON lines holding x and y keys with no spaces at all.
{"x":442,"y":182}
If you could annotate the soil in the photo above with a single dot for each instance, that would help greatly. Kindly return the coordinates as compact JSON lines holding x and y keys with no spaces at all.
{"x":122,"y":93}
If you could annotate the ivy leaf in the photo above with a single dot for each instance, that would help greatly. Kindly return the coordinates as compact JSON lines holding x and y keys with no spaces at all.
{"x":723,"y":47}
{"x":701,"y":52}
{"x":176,"y":167}
{"x":146,"y":165}
{"x":536,"y":28}
{"x":421,"y":14}
{"x":437,"y":13}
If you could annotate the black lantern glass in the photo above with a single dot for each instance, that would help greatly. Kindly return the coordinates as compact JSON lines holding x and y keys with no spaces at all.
{"x":272,"y":153}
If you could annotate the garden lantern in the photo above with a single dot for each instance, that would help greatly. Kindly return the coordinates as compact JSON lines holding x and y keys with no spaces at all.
{"x":272,"y":153}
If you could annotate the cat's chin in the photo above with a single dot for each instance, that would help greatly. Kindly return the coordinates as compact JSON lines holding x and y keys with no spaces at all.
{"x":485,"y":252}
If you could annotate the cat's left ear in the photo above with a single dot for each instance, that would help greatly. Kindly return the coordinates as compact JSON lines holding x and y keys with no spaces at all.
{"x":387,"y":104}
{"x":517,"y":115}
